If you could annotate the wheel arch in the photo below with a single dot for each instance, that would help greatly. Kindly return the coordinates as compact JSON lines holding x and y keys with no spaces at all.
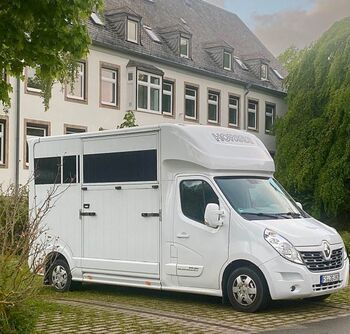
{"x":49,"y":260}
{"x":235,"y":265}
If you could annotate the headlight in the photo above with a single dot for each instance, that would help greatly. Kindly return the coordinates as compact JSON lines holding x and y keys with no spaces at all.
{"x":345,"y":253}
{"x":282,"y":246}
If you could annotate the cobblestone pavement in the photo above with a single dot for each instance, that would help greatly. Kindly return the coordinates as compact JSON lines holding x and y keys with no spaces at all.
{"x":100,"y":309}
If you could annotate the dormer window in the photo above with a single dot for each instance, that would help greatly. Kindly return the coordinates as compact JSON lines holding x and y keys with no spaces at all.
{"x":132,"y":31}
{"x":227,"y":61}
{"x":96,"y":19}
{"x":264,"y":72}
{"x":184,"y":47}
{"x":152,"y":34}
{"x":241,"y":64}
{"x":278,"y":74}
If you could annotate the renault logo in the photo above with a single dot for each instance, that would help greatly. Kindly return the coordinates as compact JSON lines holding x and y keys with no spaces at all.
{"x":326,"y":250}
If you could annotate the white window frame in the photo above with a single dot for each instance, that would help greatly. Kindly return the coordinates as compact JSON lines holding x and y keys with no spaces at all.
{"x":264,"y":72}
{"x":226,"y":53}
{"x":2,"y":142}
{"x":136,"y":25}
{"x":187,"y":55}
{"x":109,"y":80}
{"x":270,"y":114}
{"x":234,"y":107}
{"x":33,"y":126}
{"x":149,"y":85}
{"x":31,"y":89}
{"x":192,"y":98}
{"x":76,"y":129}
{"x":255,"y":112}
{"x":214,"y":103}
{"x":81,"y":76}
{"x":171,"y":94}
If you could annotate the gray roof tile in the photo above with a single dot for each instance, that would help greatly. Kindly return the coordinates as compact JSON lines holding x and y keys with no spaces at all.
{"x":206,"y":23}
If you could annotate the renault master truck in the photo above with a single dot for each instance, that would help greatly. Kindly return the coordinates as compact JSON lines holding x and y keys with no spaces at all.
{"x":185,"y":208}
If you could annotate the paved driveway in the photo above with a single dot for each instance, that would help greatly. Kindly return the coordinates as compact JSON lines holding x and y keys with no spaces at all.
{"x":106,"y":309}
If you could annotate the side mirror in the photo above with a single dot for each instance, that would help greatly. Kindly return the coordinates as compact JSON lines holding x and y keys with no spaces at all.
{"x":213,"y":215}
{"x":299,"y":205}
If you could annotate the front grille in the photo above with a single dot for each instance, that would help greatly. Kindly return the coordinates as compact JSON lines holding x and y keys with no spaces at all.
{"x":315,"y":261}
{"x":326,"y":286}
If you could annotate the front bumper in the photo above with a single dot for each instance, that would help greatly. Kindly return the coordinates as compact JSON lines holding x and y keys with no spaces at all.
{"x":288,"y":280}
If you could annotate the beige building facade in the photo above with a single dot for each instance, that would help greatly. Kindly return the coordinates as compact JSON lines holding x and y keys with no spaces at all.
{"x":114,"y":79}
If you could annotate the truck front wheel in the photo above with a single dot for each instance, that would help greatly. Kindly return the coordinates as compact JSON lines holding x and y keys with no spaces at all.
{"x":60,"y":276}
{"x":247,"y":290}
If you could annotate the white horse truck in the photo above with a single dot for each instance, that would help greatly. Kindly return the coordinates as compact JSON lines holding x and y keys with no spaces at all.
{"x":185,"y":208}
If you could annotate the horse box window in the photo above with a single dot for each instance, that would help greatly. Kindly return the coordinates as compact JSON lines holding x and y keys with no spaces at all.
{"x":135,"y":166}
{"x":47,"y":170}
{"x":70,"y":169}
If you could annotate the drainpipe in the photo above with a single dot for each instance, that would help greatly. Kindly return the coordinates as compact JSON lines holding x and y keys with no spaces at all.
{"x":246,"y":92}
{"x":18,"y":121}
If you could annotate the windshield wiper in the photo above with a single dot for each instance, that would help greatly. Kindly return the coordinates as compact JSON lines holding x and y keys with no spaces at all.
{"x":262,"y":214}
{"x":290,"y":214}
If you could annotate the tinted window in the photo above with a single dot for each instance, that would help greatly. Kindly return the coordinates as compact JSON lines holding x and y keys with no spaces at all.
{"x":195,"y":195}
{"x":47,"y":170}
{"x":133,"y":166}
{"x":70,"y":169}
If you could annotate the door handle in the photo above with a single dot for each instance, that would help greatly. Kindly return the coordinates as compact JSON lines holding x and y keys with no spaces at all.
{"x":183,"y":235}
{"x":90,"y":214}
{"x":149,"y":214}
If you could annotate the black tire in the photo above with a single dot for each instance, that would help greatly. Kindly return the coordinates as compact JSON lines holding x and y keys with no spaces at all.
{"x":317,"y":298}
{"x":247,"y":290}
{"x":59,"y":276}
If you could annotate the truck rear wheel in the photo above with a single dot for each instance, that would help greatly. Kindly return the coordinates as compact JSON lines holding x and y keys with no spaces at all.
{"x":247,"y":290}
{"x":60,"y":276}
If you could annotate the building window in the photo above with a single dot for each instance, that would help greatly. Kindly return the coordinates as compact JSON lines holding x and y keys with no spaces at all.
{"x":34,"y":130}
{"x":72,"y":129}
{"x":132,"y":31}
{"x":168,"y":98}
{"x":2,"y":142}
{"x":195,"y":195}
{"x":213,"y":107}
{"x":152,"y":34}
{"x":270,"y":111}
{"x":109,"y":86}
{"x":233,"y":110}
{"x":264,"y":72}
{"x":148,"y":92}
{"x":191,"y":105}
{"x":252,"y":115}
{"x":227,"y":61}
{"x":78,"y":90}
{"x":33,"y":84}
{"x":241,"y":64}
{"x":184,"y":47}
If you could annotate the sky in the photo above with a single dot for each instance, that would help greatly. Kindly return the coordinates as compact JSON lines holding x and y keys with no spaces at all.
{"x":283,"y":23}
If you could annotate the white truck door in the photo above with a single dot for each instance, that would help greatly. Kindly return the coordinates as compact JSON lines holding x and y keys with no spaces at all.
{"x":120,"y":209}
{"x":201,"y":250}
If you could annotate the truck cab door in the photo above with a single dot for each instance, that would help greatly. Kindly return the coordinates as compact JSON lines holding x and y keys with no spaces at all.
{"x":201,"y":250}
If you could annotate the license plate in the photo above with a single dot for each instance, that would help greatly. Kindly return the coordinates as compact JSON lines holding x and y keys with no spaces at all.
{"x":330,"y":278}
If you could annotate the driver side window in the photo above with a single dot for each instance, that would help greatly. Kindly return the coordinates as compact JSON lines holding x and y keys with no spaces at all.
{"x":195,"y":195}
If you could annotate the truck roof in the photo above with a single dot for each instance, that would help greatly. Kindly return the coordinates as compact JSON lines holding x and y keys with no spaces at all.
{"x":212,"y":147}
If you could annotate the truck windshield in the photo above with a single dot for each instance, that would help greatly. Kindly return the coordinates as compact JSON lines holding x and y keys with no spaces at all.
{"x":259,"y":198}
